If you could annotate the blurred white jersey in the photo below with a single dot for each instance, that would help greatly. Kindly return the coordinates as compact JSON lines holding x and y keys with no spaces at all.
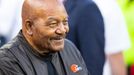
{"x":116,"y":34}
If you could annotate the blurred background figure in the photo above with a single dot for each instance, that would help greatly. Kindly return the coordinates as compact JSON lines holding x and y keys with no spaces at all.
{"x":117,"y":39}
{"x":87,"y":32}
{"x":2,"y":40}
{"x":99,"y":32}
{"x":127,"y":7}
{"x":10,"y":19}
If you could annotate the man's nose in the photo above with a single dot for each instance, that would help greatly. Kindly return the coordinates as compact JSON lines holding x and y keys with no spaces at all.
{"x":61,"y":29}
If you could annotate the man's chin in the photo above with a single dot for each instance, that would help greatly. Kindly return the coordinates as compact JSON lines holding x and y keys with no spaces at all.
{"x":57,"y":49}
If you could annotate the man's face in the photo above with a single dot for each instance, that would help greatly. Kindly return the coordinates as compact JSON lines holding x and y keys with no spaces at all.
{"x":50,"y":28}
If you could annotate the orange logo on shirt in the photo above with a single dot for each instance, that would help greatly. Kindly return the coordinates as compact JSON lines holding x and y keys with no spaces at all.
{"x":75,"y":68}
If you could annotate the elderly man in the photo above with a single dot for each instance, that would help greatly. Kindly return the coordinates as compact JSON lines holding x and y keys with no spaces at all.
{"x":41,"y":48}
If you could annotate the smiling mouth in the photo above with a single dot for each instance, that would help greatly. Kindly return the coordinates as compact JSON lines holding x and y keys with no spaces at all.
{"x":58,"y":39}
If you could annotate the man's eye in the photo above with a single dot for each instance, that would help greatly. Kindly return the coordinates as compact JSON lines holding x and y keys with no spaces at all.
{"x":53,"y":24}
{"x":65,"y":22}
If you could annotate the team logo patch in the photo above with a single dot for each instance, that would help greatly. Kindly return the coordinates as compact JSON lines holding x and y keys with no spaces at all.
{"x":75,"y":68}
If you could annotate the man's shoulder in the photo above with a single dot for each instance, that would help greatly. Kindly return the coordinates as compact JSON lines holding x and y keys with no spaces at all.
{"x":6,"y":57}
{"x":69,"y":44}
{"x":5,"y":50}
{"x":5,"y":53}
{"x":70,"y":48}
{"x":8,"y":63}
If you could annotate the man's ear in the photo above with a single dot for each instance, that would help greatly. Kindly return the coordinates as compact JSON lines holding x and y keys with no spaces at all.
{"x":29,"y":24}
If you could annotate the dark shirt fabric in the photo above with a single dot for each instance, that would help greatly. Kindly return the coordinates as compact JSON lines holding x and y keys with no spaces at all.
{"x":87,"y":32}
{"x":18,"y":58}
{"x":51,"y":68}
